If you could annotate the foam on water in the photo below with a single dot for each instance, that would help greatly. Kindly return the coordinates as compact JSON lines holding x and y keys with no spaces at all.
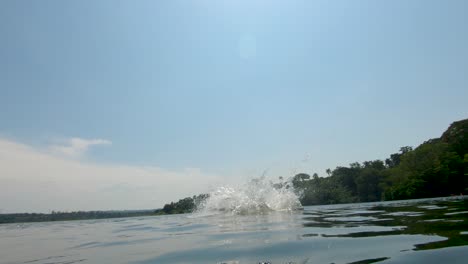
{"x":257,"y":196}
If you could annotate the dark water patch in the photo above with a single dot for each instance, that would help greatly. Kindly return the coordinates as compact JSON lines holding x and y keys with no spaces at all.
{"x":367,"y":234}
{"x":45,"y":259}
{"x":368,"y":261}
{"x":310,"y":235}
{"x":55,"y":260}
{"x":350,"y":219}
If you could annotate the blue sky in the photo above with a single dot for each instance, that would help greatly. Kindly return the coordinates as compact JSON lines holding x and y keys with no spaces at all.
{"x":231,"y":88}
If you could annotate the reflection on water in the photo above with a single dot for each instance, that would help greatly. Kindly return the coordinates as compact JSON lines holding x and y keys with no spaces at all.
{"x":429,"y":231}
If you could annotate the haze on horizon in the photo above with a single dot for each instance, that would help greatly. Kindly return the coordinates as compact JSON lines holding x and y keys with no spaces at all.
{"x":129,"y":105}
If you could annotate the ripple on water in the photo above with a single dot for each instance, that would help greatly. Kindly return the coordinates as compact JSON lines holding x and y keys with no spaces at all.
{"x":350,"y":219}
{"x":457,"y":213}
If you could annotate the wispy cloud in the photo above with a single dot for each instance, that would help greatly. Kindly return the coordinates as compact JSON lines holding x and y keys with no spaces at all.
{"x":77,"y":147}
{"x":35,"y":180}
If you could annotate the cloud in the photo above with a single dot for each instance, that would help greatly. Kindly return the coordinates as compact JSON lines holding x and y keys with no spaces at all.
{"x":32,"y":180}
{"x":77,"y":147}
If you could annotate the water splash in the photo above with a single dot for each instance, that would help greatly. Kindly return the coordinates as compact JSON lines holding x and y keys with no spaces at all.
{"x":257,"y":196}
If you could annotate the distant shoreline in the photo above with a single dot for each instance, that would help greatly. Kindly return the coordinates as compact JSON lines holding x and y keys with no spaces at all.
{"x":73,"y":216}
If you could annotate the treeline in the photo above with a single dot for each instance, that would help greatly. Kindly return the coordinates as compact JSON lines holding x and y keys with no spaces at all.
{"x":186,"y":205}
{"x":438,"y":167}
{"x":65,"y":216}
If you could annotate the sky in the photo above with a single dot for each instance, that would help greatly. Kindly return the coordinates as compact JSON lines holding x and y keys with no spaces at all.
{"x":132,"y":104}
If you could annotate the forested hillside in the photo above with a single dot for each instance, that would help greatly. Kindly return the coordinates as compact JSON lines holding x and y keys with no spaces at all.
{"x":438,"y":167}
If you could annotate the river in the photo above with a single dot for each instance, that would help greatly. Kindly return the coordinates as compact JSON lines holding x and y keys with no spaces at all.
{"x":417,"y":231}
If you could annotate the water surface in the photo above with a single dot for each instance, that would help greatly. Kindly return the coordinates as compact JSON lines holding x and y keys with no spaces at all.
{"x":418,"y":231}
